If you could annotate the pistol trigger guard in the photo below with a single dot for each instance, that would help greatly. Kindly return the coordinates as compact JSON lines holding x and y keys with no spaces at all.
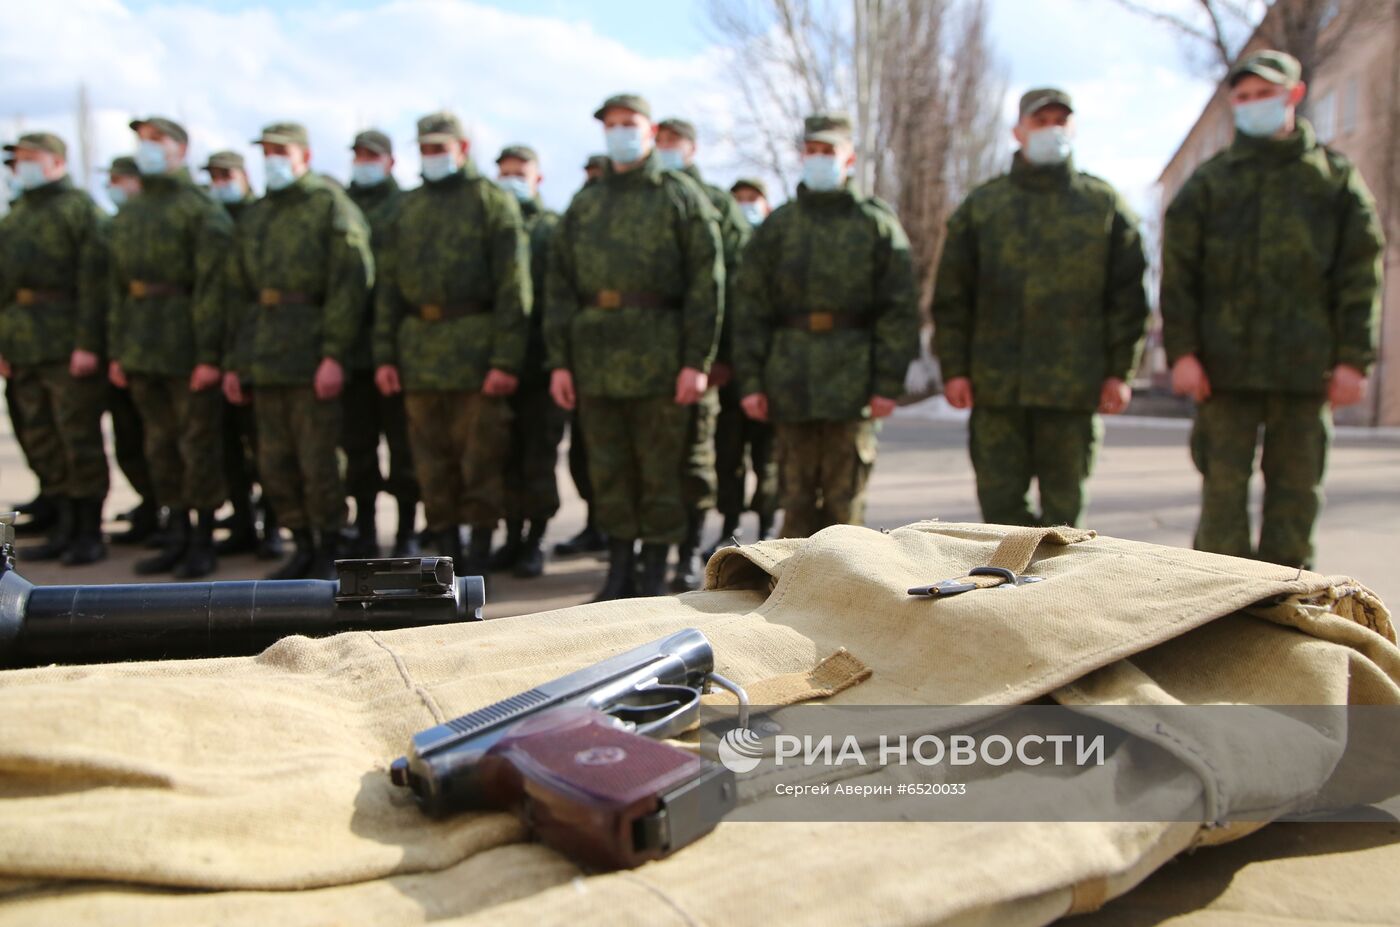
{"x":658,"y":711}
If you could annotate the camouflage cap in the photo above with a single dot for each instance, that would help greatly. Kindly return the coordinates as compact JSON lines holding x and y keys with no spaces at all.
{"x":1033,"y":101}
{"x":439,"y":129}
{"x":167,"y":127}
{"x":750,"y":183}
{"x":522,"y":152}
{"x":681,"y":127}
{"x":1276,"y":67}
{"x":633,"y":101}
{"x":124,"y":166}
{"x":830,"y":128}
{"x":40,"y":141}
{"x":284,"y":133}
{"x":375,"y":141}
{"x":225,"y":160}
{"x":597,"y":162}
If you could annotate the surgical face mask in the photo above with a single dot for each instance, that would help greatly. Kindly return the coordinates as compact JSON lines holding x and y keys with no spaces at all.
{"x":13,"y":187}
{"x":625,"y":144}
{"x":673,"y":159}
{"x":821,"y":172}
{"x":438,"y":166}
{"x":227,"y":192}
{"x":368,"y":173}
{"x":30,"y":174}
{"x":278,"y":169}
{"x":519,"y":186}
{"x":753,"y":212}
{"x":151,"y":157}
{"x":117,"y":195}
{"x":1262,"y":118}
{"x":1048,"y":146}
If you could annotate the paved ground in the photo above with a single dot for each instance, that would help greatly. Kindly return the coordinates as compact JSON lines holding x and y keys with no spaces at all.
{"x":1145,"y":489}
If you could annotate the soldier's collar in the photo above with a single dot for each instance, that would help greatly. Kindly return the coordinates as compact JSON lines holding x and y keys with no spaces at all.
{"x":53,"y":186}
{"x":844,"y":193}
{"x":649,"y":171}
{"x":180,"y":177}
{"x":1041,"y":177}
{"x":1302,"y":140}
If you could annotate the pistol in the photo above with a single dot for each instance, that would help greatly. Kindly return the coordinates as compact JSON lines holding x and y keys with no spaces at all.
{"x":574,"y":757}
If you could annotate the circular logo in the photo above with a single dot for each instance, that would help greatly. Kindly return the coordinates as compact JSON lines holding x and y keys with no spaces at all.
{"x":600,"y":756}
{"x":740,"y":750}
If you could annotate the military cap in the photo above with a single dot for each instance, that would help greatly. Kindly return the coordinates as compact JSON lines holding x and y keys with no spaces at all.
{"x":751,"y":183}
{"x":40,"y":141}
{"x":1033,"y":101}
{"x":522,"y":152}
{"x":633,"y":101}
{"x":679,"y":126}
{"x":440,"y":128}
{"x":1276,"y":67}
{"x":597,"y":162}
{"x":124,"y":166}
{"x":225,"y":160}
{"x":167,"y":127}
{"x":284,"y":133}
{"x":831,"y":128}
{"x":373,"y":140}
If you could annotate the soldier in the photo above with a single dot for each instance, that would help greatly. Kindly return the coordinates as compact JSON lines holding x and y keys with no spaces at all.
{"x":228,"y":182}
{"x":1270,"y":296}
{"x":53,"y":262}
{"x":594,"y":169}
{"x":635,"y":297}
{"x":1039,"y":318}
{"x":301,"y":275}
{"x":826,"y":324}
{"x":369,"y":413}
{"x":450,"y":332}
{"x":532,"y":490}
{"x":166,"y":332}
{"x":741,"y":443}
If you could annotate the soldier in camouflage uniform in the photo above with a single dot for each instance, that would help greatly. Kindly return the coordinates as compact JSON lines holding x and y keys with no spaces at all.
{"x":301,"y":272}
{"x":369,"y":413}
{"x":634,"y":302}
{"x":1039,"y":319}
{"x":53,"y":262}
{"x":1270,"y":298}
{"x":450,"y":331}
{"x":825,"y":326}
{"x":532,"y":489}
{"x":167,"y":339}
{"x":594,"y":169}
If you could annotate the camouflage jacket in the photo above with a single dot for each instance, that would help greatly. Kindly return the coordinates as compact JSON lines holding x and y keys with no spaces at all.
{"x":300,"y":273}
{"x":540,"y":224}
{"x":173,"y":237}
{"x":237,"y":336}
{"x":54,"y":241}
{"x":734,"y":234}
{"x":1040,"y":294}
{"x":1272,"y":266}
{"x":457,"y":248}
{"x":651,"y":233}
{"x":845,"y":257}
{"x":379,"y":204}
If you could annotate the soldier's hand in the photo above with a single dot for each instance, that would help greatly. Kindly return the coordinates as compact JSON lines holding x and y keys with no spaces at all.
{"x":116,"y":375}
{"x":720,"y":374}
{"x":82,"y":363}
{"x":329,"y":379}
{"x":499,"y":383}
{"x":958,"y":392}
{"x":203,"y":377}
{"x":756,"y":406}
{"x":387,"y":379}
{"x":1114,"y":396}
{"x":1347,"y":386}
{"x":1189,"y":378}
{"x":882,"y":406}
{"x":4,"y":368}
{"x":233,"y":388}
{"x":690,"y":386}
{"x":561,"y":387}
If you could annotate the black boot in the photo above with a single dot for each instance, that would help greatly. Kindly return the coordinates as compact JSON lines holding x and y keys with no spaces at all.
{"x":449,"y":544}
{"x":508,"y":554}
{"x":303,"y":553}
{"x":88,"y":545}
{"x":270,"y":546}
{"x":328,"y":547}
{"x":690,"y":564}
{"x":61,"y":532}
{"x":653,"y":581}
{"x":40,"y":515}
{"x":588,"y":541}
{"x":200,"y":558}
{"x":406,"y":542}
{"x":177,"y":541}
{"x":144,"y":521}
{"x":478,"y":561}
{"x":366,"y":543}
{"x":766,"y":530}
{"x":242,"y":529}
{"x":530,"y":563}
{"x":157,"y":538}
{"x":621,"y":582}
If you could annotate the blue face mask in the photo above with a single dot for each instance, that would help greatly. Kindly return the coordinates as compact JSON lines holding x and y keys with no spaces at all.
{"x":1262,"y":118}
{"x":151,"y":157}
{"x":13,"y":188}
{"x":117,"y":195}
{"x":518,"y":186}
{"x":1048,"y":146}
{"x":30,"y":174}
{"x":227,"y":192}
{"x":672,"y":159}
{"x":438,"y":167}
{"x":753,"y":212}
{"x":821,"y":172}
{"x":368,"y":173}
{"x":625,"y":144}
{"x":278,"y":169}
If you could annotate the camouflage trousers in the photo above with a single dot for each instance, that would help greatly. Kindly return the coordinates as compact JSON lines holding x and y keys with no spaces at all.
{"x":1297,"y":431}
{"x":636,"y":451}
{"x":61,"y":417}
{"x":297,"y":462}
{"x":367,"y":414}
{"x":129,"y":440}
{"x":184,"y":440}
{"x":824,"y":467}
{"x":1012,"y":445}
{"x":532,"y":486}
{"x":578,"y":459}
{"x":742,"y":444}
{"x":460,"y":441}
{"x":240,"y":449}
{"x":699,"y":479}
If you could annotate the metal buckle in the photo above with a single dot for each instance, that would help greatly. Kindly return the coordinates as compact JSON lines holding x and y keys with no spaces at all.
{"x":430,"y":313}
{"x":25,"y":297}
{"x":948,"y":587}
{"x":821,"y":321}
{"x":138,"y":289}
{"x":609,"y":299}
{"x":269,"y":297}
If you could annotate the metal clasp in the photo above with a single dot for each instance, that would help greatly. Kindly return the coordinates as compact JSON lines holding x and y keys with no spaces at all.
{"x":948,"y":587}
{"x":609,"y":299}
{"x":138,"y":289}
{"x":269,"y":297}
{"x":821,"y":321}
{"x":430,"y":313}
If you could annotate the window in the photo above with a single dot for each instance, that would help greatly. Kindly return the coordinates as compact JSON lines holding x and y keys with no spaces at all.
{"x":1324,"y":117}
